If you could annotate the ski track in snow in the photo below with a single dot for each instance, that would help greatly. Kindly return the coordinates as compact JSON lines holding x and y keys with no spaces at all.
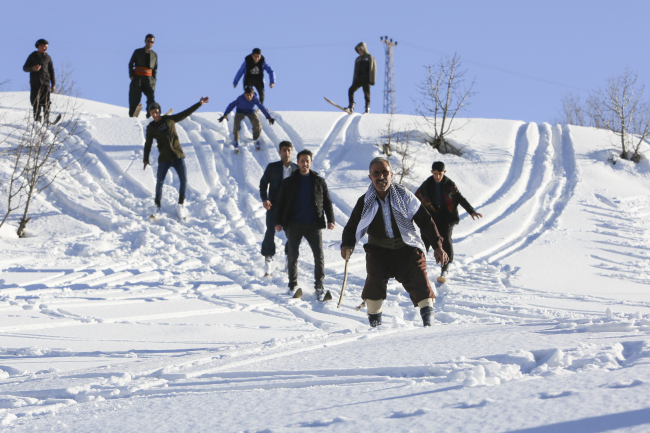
{"x":153,"y":284}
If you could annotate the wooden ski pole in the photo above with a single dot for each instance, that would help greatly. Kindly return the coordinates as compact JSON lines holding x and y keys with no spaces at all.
{"x":345,"y":277}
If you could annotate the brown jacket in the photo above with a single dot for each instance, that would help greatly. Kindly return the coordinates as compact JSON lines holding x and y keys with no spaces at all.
{"x":169,"y":145}
{"x":365,"y":57}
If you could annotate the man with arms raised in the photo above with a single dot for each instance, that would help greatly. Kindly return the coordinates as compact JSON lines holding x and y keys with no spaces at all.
{"x":163,"y":130}
{"x":386,"y":212}
{"x":303,"y":200}
{"x":270,"y":185}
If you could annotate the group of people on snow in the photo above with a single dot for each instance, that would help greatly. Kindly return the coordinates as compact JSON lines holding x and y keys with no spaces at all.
{"x":295,"y":197}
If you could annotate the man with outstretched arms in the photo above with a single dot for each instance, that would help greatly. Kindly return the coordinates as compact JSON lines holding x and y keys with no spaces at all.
{"x":365,"y":73}
{"x":245,"y":105}
{"x":253,"y":71}
{"x":143,"y":69}
{"x":386,"y":213}
{"x":440,"y":196}
{"x":270,"y":185}
{"x":303,"y":203}
{"x":41,"y":79}
{"x":163,"y":130}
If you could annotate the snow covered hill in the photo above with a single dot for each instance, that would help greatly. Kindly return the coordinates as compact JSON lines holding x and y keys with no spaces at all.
{"x":109,"y":322}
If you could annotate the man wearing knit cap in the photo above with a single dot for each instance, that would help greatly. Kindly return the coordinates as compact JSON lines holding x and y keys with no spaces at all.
{"x":253,"y":71}
{"x":41,"y":76}
{"x":440,"y":196}
{"x":143,"y":70}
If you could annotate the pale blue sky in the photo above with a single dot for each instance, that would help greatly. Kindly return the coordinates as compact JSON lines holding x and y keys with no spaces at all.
{"x":523,"y":54}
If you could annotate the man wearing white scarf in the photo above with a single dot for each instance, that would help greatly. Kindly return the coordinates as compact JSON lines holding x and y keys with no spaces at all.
{"x":386,"y":213}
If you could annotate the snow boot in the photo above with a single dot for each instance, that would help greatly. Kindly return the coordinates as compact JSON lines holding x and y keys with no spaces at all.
{"x":258,"y":146}
{"x":349,"y":109}
{"x":156,"y":212}
{"x":181,"y":212}
{"x":236,"y":145}
{"x":374,"y":319}
{"x":367,"y":108}
{"x":426,"y":314}
{"x":320,"y":293}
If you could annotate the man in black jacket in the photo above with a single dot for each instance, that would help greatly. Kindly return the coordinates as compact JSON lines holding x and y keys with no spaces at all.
{"x":143,"y":70}
{"x":303,"y":200}
{"x":41,"y":75}
{"x":386,"y":213}
{"x":270,"y":185}
{"x":365,"y":73}
{"x":253,"y":71}
{"x":441,"y":198}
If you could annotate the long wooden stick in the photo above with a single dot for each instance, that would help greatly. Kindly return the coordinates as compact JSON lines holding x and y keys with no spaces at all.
{"x":345,"y":277}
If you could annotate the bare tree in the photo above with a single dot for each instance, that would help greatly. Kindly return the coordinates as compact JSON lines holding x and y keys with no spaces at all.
{"x":13,"y":155}
{"x":65,"y":83}
{"x":621,"y":109}
{"x":444,"y":94}
{"x":406,"y":154}
{"x":41,"y":154}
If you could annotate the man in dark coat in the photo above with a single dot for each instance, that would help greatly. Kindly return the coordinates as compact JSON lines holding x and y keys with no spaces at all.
{"x":143,"y":70}
{"x":253,"y":71}
{"x":365,"y":74}
{"x":386,"y":213}
{"x":302,"y":205}
{"x":41,"y":79}
{"x":441,"y":198}
{"x":270,"y":185}
{"x":163,"y":130}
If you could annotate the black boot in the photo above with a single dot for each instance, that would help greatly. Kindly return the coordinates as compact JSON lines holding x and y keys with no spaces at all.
{"x":367,"y":108}
{"x":374,"y":319}
{"x":426,"y":314}
{"x":350,"y":108}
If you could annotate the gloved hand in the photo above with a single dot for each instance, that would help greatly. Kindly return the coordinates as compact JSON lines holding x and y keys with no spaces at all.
{"x":271,"y":120}
{"x":222,"y":118}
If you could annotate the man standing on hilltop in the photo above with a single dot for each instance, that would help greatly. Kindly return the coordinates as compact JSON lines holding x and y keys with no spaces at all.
{"x":143,"y":69}
{"x":253,"y":71}
{"x":441,"y":197}
{"x":270,"y":185}
{"x":163,"y":130}
{"x":365,"y":73}
{"x":41,"y":75}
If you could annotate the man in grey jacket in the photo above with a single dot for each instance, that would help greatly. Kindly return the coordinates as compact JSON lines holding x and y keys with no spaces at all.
{"x":365,"y":73}
{"x":143,"y":69}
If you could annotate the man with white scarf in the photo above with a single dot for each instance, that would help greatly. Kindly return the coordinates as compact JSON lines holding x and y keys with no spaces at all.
{"x":386,"y":212}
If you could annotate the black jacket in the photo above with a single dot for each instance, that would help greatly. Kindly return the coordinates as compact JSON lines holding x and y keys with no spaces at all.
{"x":448,"y":212}
{"x":138,"y":59}
{"x":45,"y":75}
{"x":320,"y":195}
{"x":272,"y":179}
{"x":377,"y":229}
{"x":169,"y":146}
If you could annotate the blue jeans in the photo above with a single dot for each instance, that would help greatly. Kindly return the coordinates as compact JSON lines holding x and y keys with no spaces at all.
{"x":163,"y":167}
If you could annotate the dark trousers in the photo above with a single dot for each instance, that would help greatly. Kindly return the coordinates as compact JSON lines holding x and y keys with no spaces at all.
{"x":445,"y":230}
{"x":268,"y":245}
{"x":354,"y":87}
{"x":40,"y":97}
{"x":260,"y":90}
{"x":312,"y":232}
{"x":408,"y":265}
{"x":163,"y":167}
{"x":140,"y":85}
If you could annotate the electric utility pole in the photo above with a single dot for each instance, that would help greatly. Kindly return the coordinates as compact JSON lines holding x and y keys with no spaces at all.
{"x":389,"y":84}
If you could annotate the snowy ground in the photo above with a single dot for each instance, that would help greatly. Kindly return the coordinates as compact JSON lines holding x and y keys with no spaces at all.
{"x":111,"y":323}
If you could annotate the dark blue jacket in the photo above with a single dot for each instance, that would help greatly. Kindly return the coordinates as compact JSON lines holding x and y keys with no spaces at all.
{"x":320,"y":196}
{"x":272,"y":180}
{"x":265,"y":66}
{"x":246,"y":107}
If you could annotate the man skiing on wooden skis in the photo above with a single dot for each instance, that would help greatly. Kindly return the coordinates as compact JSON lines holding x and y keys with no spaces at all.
{"x":245,"y":105}
{"x":365,"y":74}
{"x":386,"y":212}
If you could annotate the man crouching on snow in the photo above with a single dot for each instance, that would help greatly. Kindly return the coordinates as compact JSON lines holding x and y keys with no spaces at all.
{"x":394,"y":250}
